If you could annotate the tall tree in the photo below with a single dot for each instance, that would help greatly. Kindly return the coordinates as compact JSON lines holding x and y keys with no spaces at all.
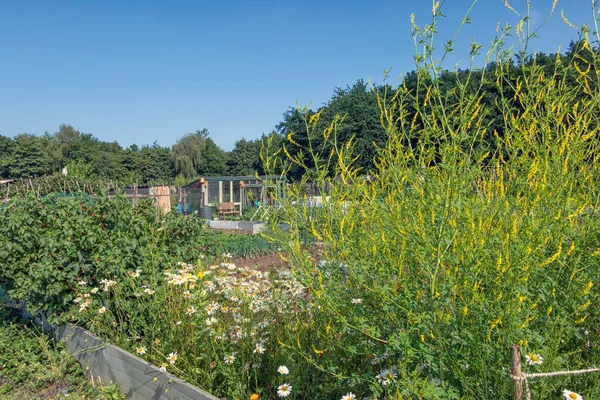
{"x":214,"y":160}
{"x":6,"y":155}
{"x":28,"y":157}
{"x":187,"y":153}
{"x":244,"y":159}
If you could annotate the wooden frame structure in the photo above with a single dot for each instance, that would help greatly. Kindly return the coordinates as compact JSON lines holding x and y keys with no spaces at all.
{"x":241,"y":191}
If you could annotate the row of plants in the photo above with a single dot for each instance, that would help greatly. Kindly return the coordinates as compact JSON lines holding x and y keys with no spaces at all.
{"x":47,"y":244}
{"x":57,"y":183}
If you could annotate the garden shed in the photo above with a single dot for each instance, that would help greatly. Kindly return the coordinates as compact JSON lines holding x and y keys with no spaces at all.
{"x":242,"y":191}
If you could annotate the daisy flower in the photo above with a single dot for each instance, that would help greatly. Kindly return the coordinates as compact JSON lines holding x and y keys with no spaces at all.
{"x":283,"y":370}
{"x":82,"y":283}
{"x":102,"y":310}
{"x":94,"y":290}
{"x":163,"y":367}
{"x":172,"y":357}
{"x":534,"y":359}
{"x":356,"y":301}
{"x":386,"y":376}
{"x":284,"y":390}
{"x":191,"y":311}
{"x":140,"y":350}
{"x":349,"y":396}
{"x":259,"y":349}
{"x":229,"y":359}
{"x":571,"y":395}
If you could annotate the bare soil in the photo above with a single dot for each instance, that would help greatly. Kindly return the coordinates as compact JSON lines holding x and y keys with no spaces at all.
{"x":273,"y":262}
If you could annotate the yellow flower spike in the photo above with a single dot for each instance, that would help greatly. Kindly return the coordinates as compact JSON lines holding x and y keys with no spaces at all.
{"x":584,"y":306}
{"x":586,"y":289}
{"x":280,"y":342}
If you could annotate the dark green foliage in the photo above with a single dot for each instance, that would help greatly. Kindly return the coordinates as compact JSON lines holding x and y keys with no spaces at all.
{"x":244,"y":159}
{"x":28,"y":158}
{"x":214,"y":160}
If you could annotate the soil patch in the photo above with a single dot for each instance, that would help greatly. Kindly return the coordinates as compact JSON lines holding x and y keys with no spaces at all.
{"x":274,"y":261}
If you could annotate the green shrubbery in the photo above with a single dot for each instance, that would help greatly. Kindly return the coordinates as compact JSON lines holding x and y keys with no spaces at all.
{"x":47,"y":245}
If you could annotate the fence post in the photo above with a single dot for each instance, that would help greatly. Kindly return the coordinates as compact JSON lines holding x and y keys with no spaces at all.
{"x":515,"y":372}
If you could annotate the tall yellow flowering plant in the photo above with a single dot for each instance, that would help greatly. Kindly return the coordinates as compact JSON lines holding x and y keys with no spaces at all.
{"x":471,"y":234}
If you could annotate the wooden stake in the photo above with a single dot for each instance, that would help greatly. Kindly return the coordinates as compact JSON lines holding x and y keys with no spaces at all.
{"x":515,"y":371}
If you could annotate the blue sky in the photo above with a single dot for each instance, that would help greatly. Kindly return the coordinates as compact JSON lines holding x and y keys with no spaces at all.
{"x":140,"y":71}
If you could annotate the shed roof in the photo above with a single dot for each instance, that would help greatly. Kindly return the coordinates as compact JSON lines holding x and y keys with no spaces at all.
{"x":196,"y":183}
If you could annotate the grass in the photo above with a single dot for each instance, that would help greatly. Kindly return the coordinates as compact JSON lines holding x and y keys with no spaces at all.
{"x":33,"y":366}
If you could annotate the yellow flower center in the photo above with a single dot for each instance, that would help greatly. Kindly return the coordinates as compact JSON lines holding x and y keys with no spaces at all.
{"x":572,"y":395}
{"x":535,"y":358}
{"x":390,"y":376}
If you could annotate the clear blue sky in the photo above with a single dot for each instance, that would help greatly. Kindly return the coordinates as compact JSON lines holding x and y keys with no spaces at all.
{"x":140,"y":71}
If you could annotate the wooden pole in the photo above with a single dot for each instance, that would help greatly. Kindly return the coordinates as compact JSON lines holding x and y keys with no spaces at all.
{"x":515,"y":371}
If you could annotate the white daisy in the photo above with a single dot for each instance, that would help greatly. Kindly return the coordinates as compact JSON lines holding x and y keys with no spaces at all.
{"x":102,"y":310}
{"x":94,"y":290}
{"x":229,"y":359}
{"x":260,"y":349}
{"x":571,"y":395}
{"x":349,"y":396}
{"x":140,"y":350}
{"x":283,"y":370}
{"x":357,"y":301}
{"x":284,"y":390}
{"x":172,"y":357}
{"x":534,"y":359}
{"x":191,"y":311}
{"x":386,"y":376}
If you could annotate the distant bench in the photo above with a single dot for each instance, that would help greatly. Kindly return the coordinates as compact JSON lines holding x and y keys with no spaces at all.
{"x":226,"y":209}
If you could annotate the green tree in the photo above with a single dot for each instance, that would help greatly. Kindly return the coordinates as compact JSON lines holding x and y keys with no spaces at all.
{"x":154,"y":165}
{"x":6,"y":155}
{"x":28,"y":157}
{"x":214,"y":160}
{"x":244,"y":159}
{"x":187,"y":153}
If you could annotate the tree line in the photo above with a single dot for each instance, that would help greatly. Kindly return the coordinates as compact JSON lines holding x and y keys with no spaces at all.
{"x":86,"y":157}
{"x":196,"y":154}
